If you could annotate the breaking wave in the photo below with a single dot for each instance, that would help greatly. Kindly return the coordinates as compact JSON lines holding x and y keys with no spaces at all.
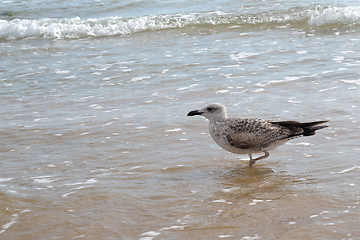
{"x":112,"y":26}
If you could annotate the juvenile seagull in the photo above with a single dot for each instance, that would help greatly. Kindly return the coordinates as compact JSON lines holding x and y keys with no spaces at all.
{"x":251,"y":135}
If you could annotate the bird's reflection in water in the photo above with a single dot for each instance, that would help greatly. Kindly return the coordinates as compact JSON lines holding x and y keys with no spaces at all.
{"x":246,"y":183}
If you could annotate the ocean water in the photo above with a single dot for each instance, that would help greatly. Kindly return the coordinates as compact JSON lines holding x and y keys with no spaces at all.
{"x":94,"y":138}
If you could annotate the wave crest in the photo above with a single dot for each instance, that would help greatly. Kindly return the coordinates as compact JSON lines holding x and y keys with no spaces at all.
{"x":335,"y":15}
{"x":100,"y":27}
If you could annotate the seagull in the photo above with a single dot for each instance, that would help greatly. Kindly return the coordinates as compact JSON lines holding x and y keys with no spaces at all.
{"x":252,"y":135}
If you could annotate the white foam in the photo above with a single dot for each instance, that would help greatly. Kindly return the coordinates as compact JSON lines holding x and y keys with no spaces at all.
{"x":136,"y":167}
{"x":227,"y":190}
{"x":286,"y":79}
{"x":69,"y":27}
{"x":255,"y":201}
{"x":339,"y":58}
{"x":357,"y":82}
{"x":67,"y":194}
{"x":175,"y":227}
{"x":77,"y":27}
{"x":45,"y":179}
{"x":95,"y":106}
{"x":300,"y":144}
{"x":294,"y":101}
{"x":89,"y":181}
{"x":219,"y":212}
{"x":334,"y":15}
{"x":107,"y":124}
{"x":6,"y":179}
{"x":251,"y":238}
{"x":62,"y":71}
{"x":150,"y":233}
{"x":74,"y":190}
{"x":222,"y":201}
{"x":9,"y":224}
{"x":327,"y":89}
{"x":136,"y":79}
{"x":41,"y":119}
{"x":185,"y":88}
{"x":258,"y":90}
{"x":349,"y":169}
{"x":242,"y":55}
{"x":173,"y":130}
{"x":329,"y":224}
{"x":213,"y":69}
{"x":222,"y":91}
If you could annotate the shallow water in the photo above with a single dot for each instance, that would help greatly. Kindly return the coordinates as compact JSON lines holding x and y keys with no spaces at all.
{"x":95,"y":142}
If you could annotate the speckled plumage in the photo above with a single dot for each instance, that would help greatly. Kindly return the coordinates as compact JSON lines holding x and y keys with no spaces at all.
{"x":251,"y":135}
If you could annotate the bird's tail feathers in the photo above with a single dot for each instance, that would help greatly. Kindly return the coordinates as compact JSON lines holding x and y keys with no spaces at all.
{"x":308,"y":128}
{"x":308,"y":131}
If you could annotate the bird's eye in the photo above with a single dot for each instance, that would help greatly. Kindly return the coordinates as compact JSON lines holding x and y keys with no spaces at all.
{"x":210,"y":109}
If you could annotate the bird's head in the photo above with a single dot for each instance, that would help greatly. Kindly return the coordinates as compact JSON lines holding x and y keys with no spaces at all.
{"x":213,"y":112}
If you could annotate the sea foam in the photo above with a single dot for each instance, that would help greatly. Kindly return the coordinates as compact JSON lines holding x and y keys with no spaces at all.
{"x":69,"y":28}
{"x":335,"y":15}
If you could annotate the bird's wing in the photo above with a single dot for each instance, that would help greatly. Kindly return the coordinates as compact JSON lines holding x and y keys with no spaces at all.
{"x":247,"y":140}
{"x":255,"y":133}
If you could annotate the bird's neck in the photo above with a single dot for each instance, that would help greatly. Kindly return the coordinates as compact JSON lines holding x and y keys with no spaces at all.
{"x":218,"y":119}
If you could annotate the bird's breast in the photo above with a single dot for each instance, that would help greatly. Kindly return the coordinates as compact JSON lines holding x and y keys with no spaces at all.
{"x":219,"y":136}
{"x":219,"y":133}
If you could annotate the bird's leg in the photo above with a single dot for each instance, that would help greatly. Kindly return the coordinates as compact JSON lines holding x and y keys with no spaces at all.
{"x":253,"y":161}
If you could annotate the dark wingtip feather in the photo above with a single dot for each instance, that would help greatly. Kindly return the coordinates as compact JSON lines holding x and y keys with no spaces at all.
{"x":314,"y":123}
{"x":305,"y":129}
{"x":308,"y":131}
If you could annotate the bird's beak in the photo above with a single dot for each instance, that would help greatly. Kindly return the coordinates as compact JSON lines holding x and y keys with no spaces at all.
{"x":195,"y":112}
